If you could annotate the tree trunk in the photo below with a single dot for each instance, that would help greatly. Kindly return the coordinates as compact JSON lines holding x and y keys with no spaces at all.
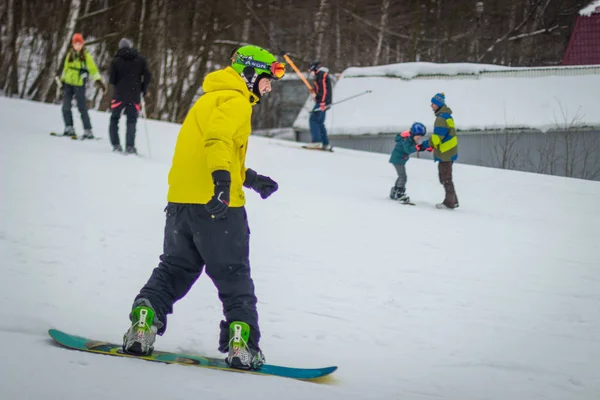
{"x":338,"y":40}
{"x":9,"y":46}
{"x":32,"y":44}
{"x":247,"y":24}
{"x":48,"y":82}
{"x":385,"y":5}
{"x":201,"y":69}
{"x":141,"y":29}
{"x":527,"y":48}
{"x":320,"y":18}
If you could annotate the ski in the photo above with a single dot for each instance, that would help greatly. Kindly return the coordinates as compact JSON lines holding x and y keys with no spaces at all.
{"x":75,"y":137}
{"x":320,"y":375}
{"x":318,"y":148}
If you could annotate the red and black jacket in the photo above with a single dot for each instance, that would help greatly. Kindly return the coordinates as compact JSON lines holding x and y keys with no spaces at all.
{"x":322,"y":86}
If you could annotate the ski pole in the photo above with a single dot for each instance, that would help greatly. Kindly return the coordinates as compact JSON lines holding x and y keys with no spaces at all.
{"x":146,"y":127}
{"x":58,"y":87}
{"x":341,"y":101}
{"x":289,"y":61}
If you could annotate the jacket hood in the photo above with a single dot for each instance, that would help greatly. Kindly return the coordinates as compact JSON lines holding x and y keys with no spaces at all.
{"x":127,"y":53}
{"x":227,"y":79}
{"x":444,"y":109}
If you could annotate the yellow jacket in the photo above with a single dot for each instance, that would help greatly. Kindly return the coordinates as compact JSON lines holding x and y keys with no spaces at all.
{"x":214,"y":136}
{"x":74,"y":71}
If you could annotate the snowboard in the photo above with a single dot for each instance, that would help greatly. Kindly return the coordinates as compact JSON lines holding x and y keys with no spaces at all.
{"x":319,"y":375}
{"x":313,"y":148}
{"x":73,"y":137}
{"x":406,"y":203}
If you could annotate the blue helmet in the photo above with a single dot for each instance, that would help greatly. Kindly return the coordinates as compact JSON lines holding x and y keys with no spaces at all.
{"x":418,"y":129}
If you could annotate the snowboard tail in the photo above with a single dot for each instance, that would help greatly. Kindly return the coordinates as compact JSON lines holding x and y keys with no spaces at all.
{"x":319,"y":375}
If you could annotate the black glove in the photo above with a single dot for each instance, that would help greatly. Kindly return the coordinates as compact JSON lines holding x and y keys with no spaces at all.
{"x":219,"y":204}
{"x":261,"y":184}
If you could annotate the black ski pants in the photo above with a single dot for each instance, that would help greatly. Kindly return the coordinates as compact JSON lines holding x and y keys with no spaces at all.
{"x":195,"y":241}
{"x":78,"y":92}
{"x":131,"y":111}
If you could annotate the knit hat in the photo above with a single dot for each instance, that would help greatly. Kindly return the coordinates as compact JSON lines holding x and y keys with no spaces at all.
{"x":314,"y":66}
{"x":77,"y":38}
{"x":439,"y":99}
{"x":125,"y":44}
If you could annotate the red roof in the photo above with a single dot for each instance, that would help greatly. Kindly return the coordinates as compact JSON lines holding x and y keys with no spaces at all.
{"x":584,"y":46}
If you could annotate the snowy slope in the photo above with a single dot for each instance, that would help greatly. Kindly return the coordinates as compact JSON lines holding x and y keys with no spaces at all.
{"x":496,"y":300}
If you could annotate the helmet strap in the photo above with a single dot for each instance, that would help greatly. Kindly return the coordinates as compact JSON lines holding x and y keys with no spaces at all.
{"x":249,"y":75}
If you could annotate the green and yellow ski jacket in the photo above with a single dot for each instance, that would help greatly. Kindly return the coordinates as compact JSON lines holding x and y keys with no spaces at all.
{"x":76,"y":70}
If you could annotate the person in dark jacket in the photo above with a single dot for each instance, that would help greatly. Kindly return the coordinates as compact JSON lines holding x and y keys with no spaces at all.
{"x":407,"y":142}
{"x":322,"y":93}
{"x":130,"y":77}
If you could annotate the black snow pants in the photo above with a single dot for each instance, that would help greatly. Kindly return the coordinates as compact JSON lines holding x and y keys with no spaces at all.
{"x":131,"y":111}
{"x":194,"y":240}
{"x":79,"y":93}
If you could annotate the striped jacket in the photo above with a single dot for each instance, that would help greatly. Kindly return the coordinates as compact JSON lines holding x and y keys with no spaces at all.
{"x":443,"y":140}
{"x":322,"y":86}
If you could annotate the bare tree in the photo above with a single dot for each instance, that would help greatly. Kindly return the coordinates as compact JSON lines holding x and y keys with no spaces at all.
{"x":10,"y":49}
{"x":385,"y":5}
{"x":183,"y":40}
{"x":47,"y":84}
{"x":320,"y":18}
{"x":141,"y":29}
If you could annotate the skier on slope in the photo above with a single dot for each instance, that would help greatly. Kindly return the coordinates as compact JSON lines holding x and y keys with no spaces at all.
{"x":445,"y":146}
{"x":407,"y":142}
{"x":206,"y":224}
{"x":323,"y":95}
{"x":78,"y":66}
{"x":130,"y":76}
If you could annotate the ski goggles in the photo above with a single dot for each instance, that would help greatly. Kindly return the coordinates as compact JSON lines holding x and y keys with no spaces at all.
{"x":276,"y":68}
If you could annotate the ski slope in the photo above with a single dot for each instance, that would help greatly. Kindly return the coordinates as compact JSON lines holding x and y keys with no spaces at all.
{"x":497,"y":300}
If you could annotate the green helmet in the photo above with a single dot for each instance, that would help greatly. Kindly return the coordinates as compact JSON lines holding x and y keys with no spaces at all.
{"x":252,"y":61}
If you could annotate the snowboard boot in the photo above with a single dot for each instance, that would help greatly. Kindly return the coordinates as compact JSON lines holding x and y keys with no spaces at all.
{"x":394,"y":193}
{"x":450,"y":200}
{"x":241,"y":355}
{"x":139,"y":338}
{"x":117,"y":148}
{"x":69,"y":131}
{"x":130,"y":150}
{"x":87,"y":134}
{"x":402,"y":197}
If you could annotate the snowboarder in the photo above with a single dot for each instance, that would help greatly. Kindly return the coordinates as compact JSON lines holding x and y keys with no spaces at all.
{"x":445,"y":145}
{"x":206,"y":223}
{"x":130,"y":76}
{"x":79,"y":65}
{"x":407,"y":142}
{"x":322,"y":93}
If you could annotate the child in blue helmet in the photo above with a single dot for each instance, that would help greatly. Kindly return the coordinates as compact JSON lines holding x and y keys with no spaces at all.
{"x":407,"y":142}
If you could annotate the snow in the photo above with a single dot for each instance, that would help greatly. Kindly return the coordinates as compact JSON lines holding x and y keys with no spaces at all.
{"x":496,"y":300}
{"x":414,"y":69}
{"x":590,"y":9}
{"x":479,"y":102}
